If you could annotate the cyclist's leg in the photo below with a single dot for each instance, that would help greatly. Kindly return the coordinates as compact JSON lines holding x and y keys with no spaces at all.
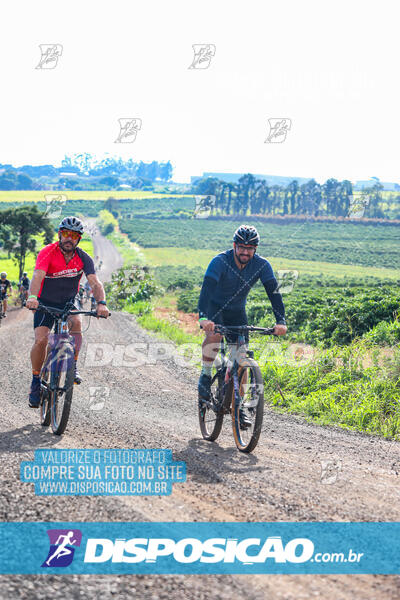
{"x":210,"y":349}
{"x":212,"y":340}
{"x":42,"y":327}
{"x":5,"y":304}
{"x":235,"y":317}
{"x":39,"y":348}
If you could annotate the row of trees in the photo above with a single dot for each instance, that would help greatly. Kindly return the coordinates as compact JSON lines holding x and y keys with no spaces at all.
{"x":83,"y":171}
{"x":12,"y":180}
{"x":255,"y":196}
{"x":87,"y":164}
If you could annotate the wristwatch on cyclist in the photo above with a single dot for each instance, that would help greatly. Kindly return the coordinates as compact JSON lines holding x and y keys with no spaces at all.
{"x":102,"y":302}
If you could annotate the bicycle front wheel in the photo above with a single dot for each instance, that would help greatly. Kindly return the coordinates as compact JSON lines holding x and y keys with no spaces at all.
{"x":211,"y":414}
{"x":63,"y":374}
{"x":45,"y":397}
{"x":247,"y":405}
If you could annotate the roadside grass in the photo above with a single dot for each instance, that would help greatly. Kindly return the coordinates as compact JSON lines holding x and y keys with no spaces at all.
{"x":334,"y":388}
{"x":130,"y":252}
{"x":188,"y":346}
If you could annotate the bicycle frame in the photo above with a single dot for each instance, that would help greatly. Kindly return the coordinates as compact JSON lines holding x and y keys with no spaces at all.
{"x":232,"y":369}
{"x":60,"y":349}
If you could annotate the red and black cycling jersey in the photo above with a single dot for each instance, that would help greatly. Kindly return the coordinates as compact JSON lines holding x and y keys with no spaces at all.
{"x":4,"y":286}
{"x":61,"y":281}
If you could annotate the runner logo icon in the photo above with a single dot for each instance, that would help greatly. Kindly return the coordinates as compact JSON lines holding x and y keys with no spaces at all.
{"x":62,"y":542}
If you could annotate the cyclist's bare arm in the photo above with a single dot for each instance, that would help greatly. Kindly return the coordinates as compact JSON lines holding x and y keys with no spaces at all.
{"x":97,"y":287}
{"x":37,"y":278}
{"x":98,"y":293}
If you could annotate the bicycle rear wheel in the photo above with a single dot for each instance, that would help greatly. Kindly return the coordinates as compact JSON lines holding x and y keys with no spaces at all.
{"x":247,"y":394}
{"x":62,"y":378}
{"x":211,"y":414}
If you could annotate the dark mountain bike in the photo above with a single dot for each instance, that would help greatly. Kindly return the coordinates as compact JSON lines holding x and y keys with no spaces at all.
{"x":58,"y":372}
{"x":236,"y":388}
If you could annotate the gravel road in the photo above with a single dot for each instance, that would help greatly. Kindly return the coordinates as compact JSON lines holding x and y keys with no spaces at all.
{"x":154,"y":406}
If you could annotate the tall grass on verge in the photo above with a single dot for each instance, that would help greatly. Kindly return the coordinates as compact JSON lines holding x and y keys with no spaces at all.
{"x":336,"y":388}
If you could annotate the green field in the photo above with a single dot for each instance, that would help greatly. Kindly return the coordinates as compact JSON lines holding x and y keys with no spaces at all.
{"x":200,"y":258}
{"x":39,"y":195}
{"x":34,"y":195}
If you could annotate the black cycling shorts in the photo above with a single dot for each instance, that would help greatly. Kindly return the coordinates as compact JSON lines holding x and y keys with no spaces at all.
{"x":223,"y":316}
{"x":43,"y":319}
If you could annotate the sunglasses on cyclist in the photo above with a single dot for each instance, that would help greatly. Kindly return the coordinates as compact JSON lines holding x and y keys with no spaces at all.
{"x":243,"y":248}
{"x":65,"y":233}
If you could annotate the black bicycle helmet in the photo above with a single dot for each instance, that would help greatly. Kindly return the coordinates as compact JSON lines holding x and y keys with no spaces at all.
{"x":72,"y":223}
{"x":246,"y":234}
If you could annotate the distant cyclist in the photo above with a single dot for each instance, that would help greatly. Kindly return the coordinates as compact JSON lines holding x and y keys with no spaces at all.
{"x":24,"y":284}
{"x":227,"y":282}
{"x":5,"y":287}
{"x":79,"y":297}
{"x":87,"y":289}
{"x":55,"y":282}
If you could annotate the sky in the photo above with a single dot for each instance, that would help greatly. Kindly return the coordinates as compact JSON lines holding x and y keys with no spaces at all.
{"x":329,"y":67}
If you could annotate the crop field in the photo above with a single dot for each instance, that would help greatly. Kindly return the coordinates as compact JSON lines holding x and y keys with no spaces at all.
{"x":130,"y":206}
{"x":37,"y":195}
{"x":342,"y":243}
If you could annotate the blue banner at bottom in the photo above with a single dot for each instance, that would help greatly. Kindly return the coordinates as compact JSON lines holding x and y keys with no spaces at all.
{"x":200,"y":548}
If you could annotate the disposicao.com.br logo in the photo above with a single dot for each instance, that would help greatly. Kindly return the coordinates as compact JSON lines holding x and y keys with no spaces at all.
{"x":248,"y":551}
{"x":190,"y":550}
{"x":200,"y":547}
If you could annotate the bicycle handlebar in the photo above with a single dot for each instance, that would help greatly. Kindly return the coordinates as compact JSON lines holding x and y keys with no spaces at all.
{"x":242,"y":328}
{"x":56,"y":311}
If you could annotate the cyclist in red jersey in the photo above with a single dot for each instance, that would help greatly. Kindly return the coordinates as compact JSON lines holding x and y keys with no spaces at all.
{"x":55,"y":282}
